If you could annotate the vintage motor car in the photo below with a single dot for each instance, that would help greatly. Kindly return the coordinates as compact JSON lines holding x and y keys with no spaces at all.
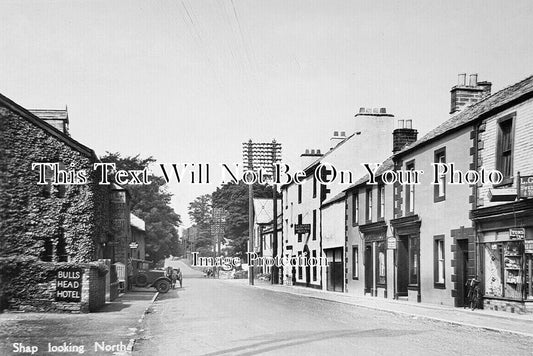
{"x":144,"y":276}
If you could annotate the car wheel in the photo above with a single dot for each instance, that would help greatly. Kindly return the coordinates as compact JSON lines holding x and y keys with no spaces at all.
{"x":162,"y":286}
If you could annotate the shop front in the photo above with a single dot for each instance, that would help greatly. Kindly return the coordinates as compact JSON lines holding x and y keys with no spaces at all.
{"x":505,"y":246}
{"x":375,"y":258}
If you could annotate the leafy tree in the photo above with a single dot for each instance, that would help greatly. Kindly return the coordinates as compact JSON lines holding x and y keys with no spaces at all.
{"x":234,"y":199}
{"x":151,"y":202}
{"x":200,"y":212}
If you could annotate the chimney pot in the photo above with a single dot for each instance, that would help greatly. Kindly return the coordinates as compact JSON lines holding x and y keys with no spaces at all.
{"x":383,"y":110}
{"x":343,"y":133}
{"x":317,"y":152}
{"x":362,"y":110}
{"x":461,"y":79}
{"x":375,"y":111}
{"x":312,"y":152}
{"x":307,"y":151}
{"x":335,"y":133}
{"x":408,"y":124}
{"x":472,"y":80}
{"x":400,"y":124}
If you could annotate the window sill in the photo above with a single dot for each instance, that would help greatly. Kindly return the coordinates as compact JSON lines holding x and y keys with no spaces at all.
{"x":506,"y":182}
{"x":437,"y":199}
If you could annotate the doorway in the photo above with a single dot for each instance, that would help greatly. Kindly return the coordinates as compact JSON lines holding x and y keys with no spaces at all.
{"x":461,"y":272}
{"x":403,"y":265}
{"x":369,"y":270}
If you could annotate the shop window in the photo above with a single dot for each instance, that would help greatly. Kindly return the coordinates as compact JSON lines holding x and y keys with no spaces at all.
{"x":439,"y":190}
{"x":355,"y":209}
{"x":355,"y":262}
{"x":438,"y":261}
{"x":414,"y":261}
{"x":314,"y":224}
{"x":410,"y":191}
{"x":299,"y":222}
{"x":381,"y":265}
{"x":369,"y":204}
{"x":504,"y":151}
{"x":315,"y":268}
{"x":504,"y":271}
{"x":381,"y":201}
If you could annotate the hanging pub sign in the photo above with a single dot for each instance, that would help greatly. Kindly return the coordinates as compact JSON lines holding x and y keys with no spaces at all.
{"x":68,"y":288}
{"x":518,"y":233}
{"x":526,"y":186}
{"x":302,"y":228}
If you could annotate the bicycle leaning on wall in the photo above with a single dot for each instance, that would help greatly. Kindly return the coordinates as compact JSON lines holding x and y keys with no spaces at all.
{"x":474,"y":294}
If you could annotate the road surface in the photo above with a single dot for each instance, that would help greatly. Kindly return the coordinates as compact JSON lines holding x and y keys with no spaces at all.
{"x":216,"y":317}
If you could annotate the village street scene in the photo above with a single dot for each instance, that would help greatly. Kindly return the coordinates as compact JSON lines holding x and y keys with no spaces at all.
{"x":242,"y":177}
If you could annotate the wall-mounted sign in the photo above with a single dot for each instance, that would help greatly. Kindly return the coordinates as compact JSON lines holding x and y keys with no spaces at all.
{"x":68,"y":287}
{"x":302,"y":228}
{"x":526,"y":186}
{"x":528,"y":246}
{"x":134,"y":245}
{"x":392,"y":243}
{"x":518,"y":233}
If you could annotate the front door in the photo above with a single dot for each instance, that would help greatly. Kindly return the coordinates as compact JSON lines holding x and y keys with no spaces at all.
{"x":369,"y":271}
{"x":462,"y":272}
{"x":403,"y":265}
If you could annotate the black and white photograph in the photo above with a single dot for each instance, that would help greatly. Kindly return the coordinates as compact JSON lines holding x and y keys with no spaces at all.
{"x":266,"y":177}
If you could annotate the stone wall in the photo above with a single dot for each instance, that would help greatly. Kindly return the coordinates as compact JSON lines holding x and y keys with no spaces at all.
{"x":30,"y":285}
{"x":50,"y":222}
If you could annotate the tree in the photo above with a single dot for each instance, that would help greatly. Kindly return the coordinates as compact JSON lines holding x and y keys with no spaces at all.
{"x":151,"y":202}
{"x":200,"y":212}
{"x":234,"y":199}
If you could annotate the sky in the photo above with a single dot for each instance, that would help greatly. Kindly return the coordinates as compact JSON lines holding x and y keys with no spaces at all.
{"x":187,"y":81}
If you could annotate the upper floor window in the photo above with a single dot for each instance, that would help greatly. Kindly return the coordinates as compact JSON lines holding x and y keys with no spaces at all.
{"x":410,"y":191}
{"x":381,"y":201}
{"x":369,"y":204}
{"x":355,"y":208}
{"x":439,"y":192}
{"x":504,"y":153}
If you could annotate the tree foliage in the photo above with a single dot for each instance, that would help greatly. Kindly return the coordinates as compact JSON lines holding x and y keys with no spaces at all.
{"x":151,"y":202}
{"x":200,"y":212}
{"x":234,"y":199}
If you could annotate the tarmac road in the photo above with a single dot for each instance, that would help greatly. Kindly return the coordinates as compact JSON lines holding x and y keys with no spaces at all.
{"x":216,"y":317}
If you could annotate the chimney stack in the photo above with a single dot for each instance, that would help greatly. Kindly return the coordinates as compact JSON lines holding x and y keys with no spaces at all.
{"x":338,"y":137}
{"x":464,"y":94}
{"x":404,"y":135}
{"x":309,"y":156}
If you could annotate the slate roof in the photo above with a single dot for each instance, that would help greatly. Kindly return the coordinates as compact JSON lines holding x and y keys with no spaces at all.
{"x":487,"y":106}
{"x":39,"y":122}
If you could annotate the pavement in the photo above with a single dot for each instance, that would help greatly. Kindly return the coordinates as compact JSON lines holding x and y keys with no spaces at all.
{"x":110,"y":331}
{"x":484,"y":319}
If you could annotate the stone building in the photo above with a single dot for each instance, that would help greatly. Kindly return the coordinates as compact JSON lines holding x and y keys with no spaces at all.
{"x":55,"y":217}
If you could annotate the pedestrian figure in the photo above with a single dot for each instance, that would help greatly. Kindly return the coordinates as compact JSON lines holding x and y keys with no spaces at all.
{"x":129,"y":272}
{"x":179,"y":276}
